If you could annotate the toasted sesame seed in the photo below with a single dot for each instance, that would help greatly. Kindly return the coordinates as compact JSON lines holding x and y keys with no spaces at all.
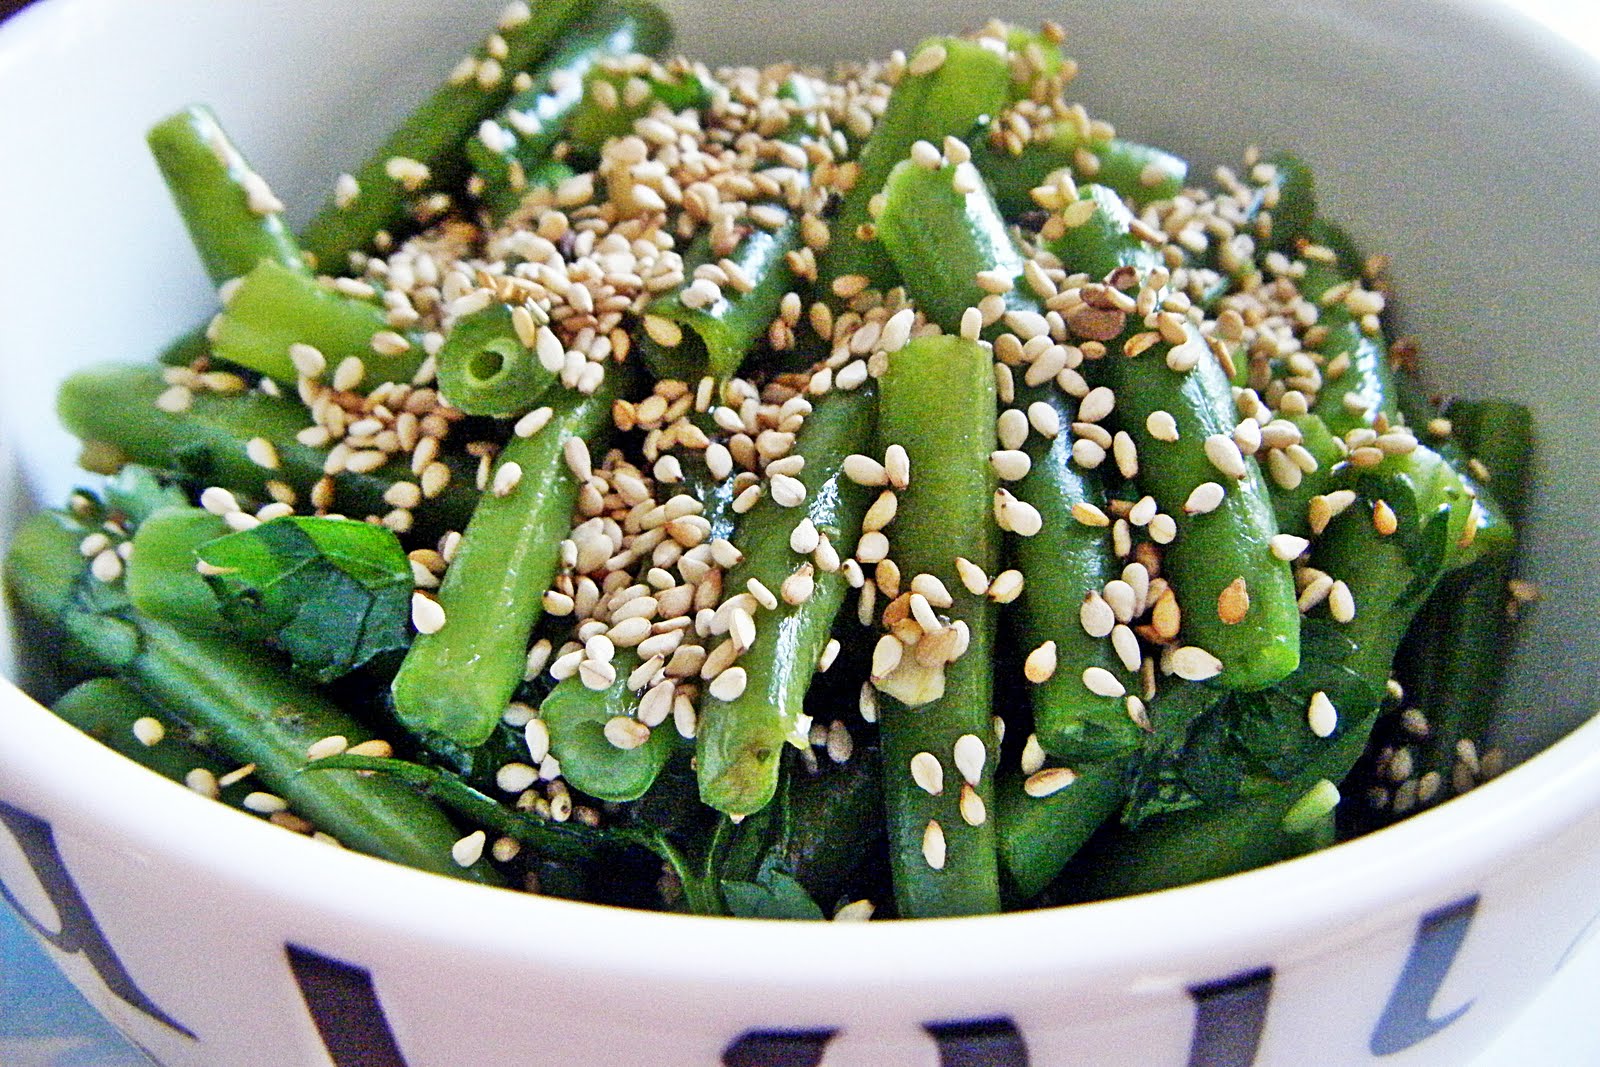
{"x":1048,"y":781}
{"x":1384,"y":519}
{"x":1040,"y":665}
{"x":1223,"y":454}
{"x":729,"y":685}
{"x":927,"y":60}
{"x":1102,"y":682}
{"x":1321,"y":715}
{"x":323,"y":747}
{"x":927,"y":773}
{"x":1233,"y":603}
{"x":625,"y":733}
{"x":864,"y":470}
{"x":897,"y":466}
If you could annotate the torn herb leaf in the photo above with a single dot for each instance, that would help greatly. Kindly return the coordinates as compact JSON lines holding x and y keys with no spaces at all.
{"x":332,"y":593}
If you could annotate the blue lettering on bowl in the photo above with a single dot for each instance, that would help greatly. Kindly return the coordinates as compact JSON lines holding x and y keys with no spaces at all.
{"x":777,"y":1048}
{"x":344,"y":1006}
{"x":1229,"y":1015}
{"x":1405,"y":1020}
{"x":79,"y":932}
{"x":979,"y":1043}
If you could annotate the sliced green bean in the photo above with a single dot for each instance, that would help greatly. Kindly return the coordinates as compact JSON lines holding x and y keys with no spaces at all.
{"x":970,"y":83}
{"x":941,"y":239}
{"x":165,"y":585}
{"x":1140,"y":173}
{"x":738,"y":743}
{"x":577,"y":716}
{"x":609,"y":110}
{"x":936,"y":401}
{"x":275,"y":308}
{"x":1040,"y":834}
{"x":426,"y":150}
{"x":233,"y":219}
{"x":456,"y":682}
{"x":1256,"y":639}
{"x":114,"y":410}
{"x":507,"y":149}
{"x":485,"y":369}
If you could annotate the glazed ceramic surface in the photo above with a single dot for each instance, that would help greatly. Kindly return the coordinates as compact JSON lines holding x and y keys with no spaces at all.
{"x":1452,"y":136}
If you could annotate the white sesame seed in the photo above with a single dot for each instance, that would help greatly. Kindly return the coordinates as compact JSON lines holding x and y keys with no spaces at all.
{"x":1193,"y":663}
{"x":730,"y":684}
{"x":1088,"y":453}
{"x":323,"y":747}
{"x":787,"y":491}
{"x":218,"y":500}
{"x":1040,"y":665}
{"x":1043,"y":418}
{"x":1223,"y":454}
{"x":148,"y":732}
{"x":576,"y":453}
{"x":625,"y":733}
{"x":933,"y":845}
{"x":1126,"y":646}
{"x":1204,"y":499}
{"x":1321,"y":715}
{"x":1096,"y":616}
{"x":873,"y":547}
{"x":927,"y":773}
{"x":1010,"y":464}
{"x":1097,"y":405}
{"x":537,"y":736}
{"x":886,"y":656}
{"x":1288,"y":547}
{"x":506,"y":478}
{"x":925,"y":62}
{"x":427,"y":614}
{"x":1050,"y":780}
{"x":932,"y":590}
{"x":1102,"y":682}
{"x":107,"y":565}
{"x":263,"y":803}
{"x":864,"y":470}
{"x":533,"y":421}
{"x":1341,"y":604}
{"x":1163,"y":529}
{"x":1006,"y":587}
{"x":349,"y":373}
{"x":972,"y":577}
{"x":1162,"y":426}
{"x":469,"y":850}
{"x":596,"y":675}
{"x":897,"y":466}
{"x":973,"y":810}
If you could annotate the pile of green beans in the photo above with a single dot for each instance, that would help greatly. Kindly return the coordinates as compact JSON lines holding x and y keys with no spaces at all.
{"x":787,"y":496}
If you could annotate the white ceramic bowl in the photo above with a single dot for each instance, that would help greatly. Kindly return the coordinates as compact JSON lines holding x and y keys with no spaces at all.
{"x":1452,"y":136}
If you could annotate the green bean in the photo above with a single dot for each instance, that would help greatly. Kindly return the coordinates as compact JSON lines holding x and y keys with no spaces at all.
{"x":577,"y":715}
{"x":114,"y":410}
{"x":232,"y":217}
{"x":608,"y":110}
{"x":275,"y":308}
{"x":940,"y":240}
{"x":1366,"y":385}
{"x":165,"y":585}
{"x":247,"y":702}
{"x":485,"y":369}
{"x":457,"y":681}
{"x":738,"y":742}
{"x":426,"y":150}
{"x":1219,"y":553}
{"x":970,"y":83}
{"x":107,"y":709}
{"x":186,"y":349}
{"x":688,"y":342}
{"x":507,"y":149}
{"x":936,"y":401}
{"x":1292,"y":492}
{"x":1139,"y":173}
{"x":1039,"y":834}
{"x":1460,"y":668}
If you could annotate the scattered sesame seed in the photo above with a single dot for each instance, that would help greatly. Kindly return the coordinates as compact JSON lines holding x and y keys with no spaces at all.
{"x":1194,"y":664}
{"x":933,"y":845}
{"x":263,"y":803}
{"x":1204,"y":499}
{"x":469,"y":850}
{"x":1288,"y":547}
{"x":427,"y":614}
{"x":1341,"y":604}
{"x":1233,"y":603}
{"x":729,"y":685}
{"x":1102,"y":682}
{"x":148,"y":731}
{"x":1006,"y":587}
{"x":972,"y":577}
{"x":1040,"y":665}
{"x":1321,"y":715}
{"x":625,"y":733}
{"x":1048,"y":781}
{"x":323,"y":747}
{"x":864,"y":470}
{"x":927,"y":773}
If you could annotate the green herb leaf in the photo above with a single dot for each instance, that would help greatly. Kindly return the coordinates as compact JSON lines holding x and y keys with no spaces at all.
{"x":332,"y":593}
{"x":775,"y":894}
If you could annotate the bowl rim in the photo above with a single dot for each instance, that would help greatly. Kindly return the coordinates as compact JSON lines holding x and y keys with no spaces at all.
{"x":1385,"y":873}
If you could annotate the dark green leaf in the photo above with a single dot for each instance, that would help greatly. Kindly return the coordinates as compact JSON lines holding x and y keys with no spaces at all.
{"x":775,"y":894}
{"x":332,"y":593}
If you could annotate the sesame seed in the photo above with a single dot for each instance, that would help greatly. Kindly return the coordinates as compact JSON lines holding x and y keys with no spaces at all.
{"x":1043,"y":418}
{"x":1288,"y":547}
{"x":730,"y":684}
{"x":1194,"y":664}
{"x":537,"y":737}
{"x":576,"y":453}
{"x":469,"y":850}
{"x":1010,"y":464}
{"x":925,"y":62}
{"x":1096,"y":616}
{"x":864,"y":470}
{"x":427,"y":614}
{"x":1204,"y":499}
{"x":788,"y":491}
{"x":927,"y":773}
{"x":263,"y":803}
{"x":897,"y":466}
{"x":1040,"y":665}
{"x":1097,"y":405}
{"x":1102,"y":682}
{"x":972,"y":577}
{"x":323,"y":747}
{"x":1006,"y":587}
{"x":625,"y":733}
{"x":148,"y":732}
{"x":882,"y":511}
{"x":1321,"y":715}
{"x":1162,"y":426}
{"x":218,"y":500}
{"x":1126,"y":646}
{"x":798,"y":587}
{"x":762,"y":594}
{"x":872,"y":548}
{"x":202,"y":781}
{"x":349,"y":373}
{"x":933,"y":845}
{"x":1088,"y":453}
{"x":1384,"y":519}
{"x":1233,"y":603}
{"x":973,"y":811}
{"x":107,"y":566}
{"x":886,"y":656}
{"x":1341,"y":604}
{"x":507,"y":478}
{"x":1223,"y":454}
{"x":1048,"y":781}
